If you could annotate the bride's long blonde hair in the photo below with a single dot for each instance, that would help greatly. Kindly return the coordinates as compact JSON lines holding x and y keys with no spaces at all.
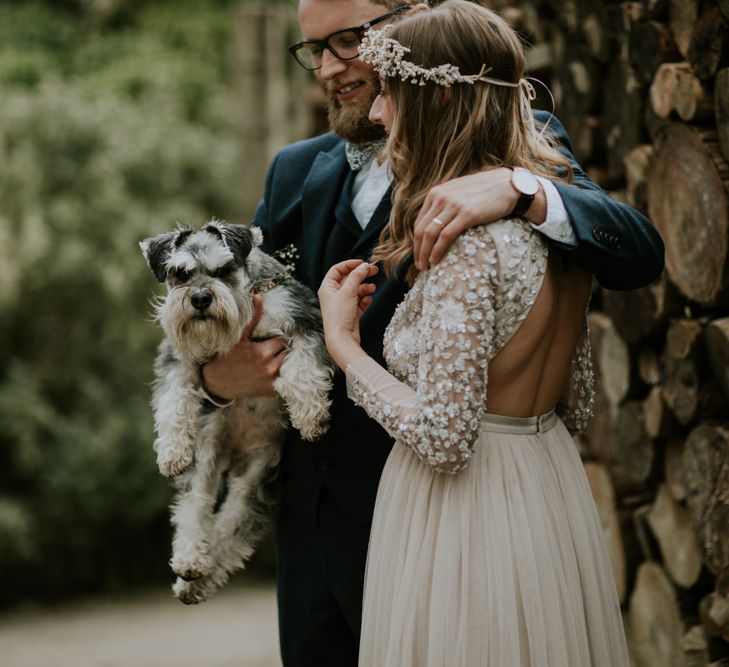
{"x":438,"y":135}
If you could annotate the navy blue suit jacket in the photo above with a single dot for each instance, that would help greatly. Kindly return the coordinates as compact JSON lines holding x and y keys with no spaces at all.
{"x":307,"y":203}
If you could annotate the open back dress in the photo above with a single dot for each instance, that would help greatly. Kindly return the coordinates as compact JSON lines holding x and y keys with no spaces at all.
{"x":486,"y":548}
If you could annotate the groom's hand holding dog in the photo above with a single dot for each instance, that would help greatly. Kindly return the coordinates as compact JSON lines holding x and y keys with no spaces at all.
{"x":250,"y":368}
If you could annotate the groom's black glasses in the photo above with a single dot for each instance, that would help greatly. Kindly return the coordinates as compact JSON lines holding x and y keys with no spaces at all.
{"x":343,"y":44}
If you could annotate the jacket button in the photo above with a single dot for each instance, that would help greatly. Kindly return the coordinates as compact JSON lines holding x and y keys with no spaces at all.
{"x":596,"y":233}
{"x":322,"y":464}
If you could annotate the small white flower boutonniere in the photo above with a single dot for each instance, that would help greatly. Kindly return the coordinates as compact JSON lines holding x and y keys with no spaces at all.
{"x":288,"y":256}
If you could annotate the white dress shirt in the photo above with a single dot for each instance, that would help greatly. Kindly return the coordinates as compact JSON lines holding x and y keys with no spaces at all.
{"x":369,"y":187}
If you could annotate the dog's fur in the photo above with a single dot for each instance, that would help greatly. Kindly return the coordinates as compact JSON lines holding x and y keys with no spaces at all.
{"x":223,"y":461}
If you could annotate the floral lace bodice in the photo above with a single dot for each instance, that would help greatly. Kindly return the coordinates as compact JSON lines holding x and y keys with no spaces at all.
{"x":438,"y":345}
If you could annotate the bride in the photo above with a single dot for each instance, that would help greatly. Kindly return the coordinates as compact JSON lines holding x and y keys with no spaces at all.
{"x":486,"y":548}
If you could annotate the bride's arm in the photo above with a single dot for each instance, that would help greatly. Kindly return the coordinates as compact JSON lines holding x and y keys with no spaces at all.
{"x":440,"y":417}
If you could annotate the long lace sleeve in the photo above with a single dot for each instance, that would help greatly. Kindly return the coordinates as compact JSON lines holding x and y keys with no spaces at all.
{"x":440,"y":418}
{"x":576,"y":404}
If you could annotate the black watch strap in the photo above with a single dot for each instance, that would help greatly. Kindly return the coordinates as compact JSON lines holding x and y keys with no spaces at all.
{"x":522,"y":205}
{"x":527,"y":185}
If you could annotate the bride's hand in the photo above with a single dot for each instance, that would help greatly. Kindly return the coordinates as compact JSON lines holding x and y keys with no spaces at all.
{"x":344,"y":297}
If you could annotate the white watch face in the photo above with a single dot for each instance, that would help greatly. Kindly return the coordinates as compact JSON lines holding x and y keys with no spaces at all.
{"x":524,"y":181}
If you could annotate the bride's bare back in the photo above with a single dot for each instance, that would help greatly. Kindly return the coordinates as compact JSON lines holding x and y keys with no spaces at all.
{"x":527,"y":377}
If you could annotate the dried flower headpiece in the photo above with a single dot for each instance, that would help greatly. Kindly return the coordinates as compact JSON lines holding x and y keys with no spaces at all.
{"x":387,"y":57}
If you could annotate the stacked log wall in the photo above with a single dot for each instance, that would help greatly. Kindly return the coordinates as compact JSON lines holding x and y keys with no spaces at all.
{"x":643,"y":89}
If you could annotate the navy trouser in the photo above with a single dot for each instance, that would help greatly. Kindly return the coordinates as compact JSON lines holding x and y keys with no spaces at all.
{"x":320,"y":576}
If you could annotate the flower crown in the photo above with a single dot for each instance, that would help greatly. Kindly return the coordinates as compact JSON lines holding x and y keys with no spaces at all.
{"x":387,"y":57}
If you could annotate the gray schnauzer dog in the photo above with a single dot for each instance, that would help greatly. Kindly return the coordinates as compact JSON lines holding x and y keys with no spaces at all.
{"x":223,"y":459}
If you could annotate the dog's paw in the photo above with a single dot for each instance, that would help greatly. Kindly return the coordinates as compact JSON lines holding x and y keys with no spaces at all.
{"x":188,"y":592}
{"x":172,"y":464}
{"x":192,"y":569}
{"x":311,"y":423}
{"x":313,"y":430}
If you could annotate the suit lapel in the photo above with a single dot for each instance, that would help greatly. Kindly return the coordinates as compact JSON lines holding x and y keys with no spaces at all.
{"x":343,"y":212}
{"x":319,"y":201}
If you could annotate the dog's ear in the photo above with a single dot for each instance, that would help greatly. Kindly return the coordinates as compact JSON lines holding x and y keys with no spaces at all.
{"x":156,"y":251}
{"x":239,"y":241}
{"x":257,"y":235}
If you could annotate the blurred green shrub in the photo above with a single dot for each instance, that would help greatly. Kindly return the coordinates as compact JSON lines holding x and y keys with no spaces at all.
{"x":107,"y":135}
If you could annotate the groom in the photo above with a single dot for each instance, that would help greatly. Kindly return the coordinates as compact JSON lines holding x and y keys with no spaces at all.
{"x":328,"y":198}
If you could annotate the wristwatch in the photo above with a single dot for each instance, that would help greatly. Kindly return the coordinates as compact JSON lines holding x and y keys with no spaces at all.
{"x":527,"y":185}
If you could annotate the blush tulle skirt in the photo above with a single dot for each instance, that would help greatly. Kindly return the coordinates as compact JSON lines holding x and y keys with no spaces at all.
{"x":501,"y":565}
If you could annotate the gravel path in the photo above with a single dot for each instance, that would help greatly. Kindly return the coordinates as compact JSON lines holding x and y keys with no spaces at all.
{"x":236,"y":628}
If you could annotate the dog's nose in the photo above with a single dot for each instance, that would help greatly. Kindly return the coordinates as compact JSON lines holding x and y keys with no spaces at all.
{"x":202,"y":299}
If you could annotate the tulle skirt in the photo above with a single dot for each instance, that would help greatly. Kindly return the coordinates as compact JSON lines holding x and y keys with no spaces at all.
{"x":502,"y":565}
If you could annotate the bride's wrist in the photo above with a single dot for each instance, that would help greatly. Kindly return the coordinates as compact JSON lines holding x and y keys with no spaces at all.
{"x":343,"y":347}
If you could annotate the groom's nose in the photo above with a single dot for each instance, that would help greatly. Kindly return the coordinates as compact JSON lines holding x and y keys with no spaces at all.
{"x":331,"y":66}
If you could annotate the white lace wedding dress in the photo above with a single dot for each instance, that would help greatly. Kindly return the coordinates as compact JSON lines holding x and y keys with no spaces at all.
{"x":503,"y":562}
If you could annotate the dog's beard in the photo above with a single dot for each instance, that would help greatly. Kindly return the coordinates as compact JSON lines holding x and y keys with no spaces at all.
{"x":198,"y":337}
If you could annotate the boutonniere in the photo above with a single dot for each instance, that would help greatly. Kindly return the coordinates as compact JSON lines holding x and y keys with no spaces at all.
{"x":288,"y":256}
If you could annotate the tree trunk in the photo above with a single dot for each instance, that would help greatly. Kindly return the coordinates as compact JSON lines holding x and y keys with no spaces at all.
{"x":683,"y":15}
{"x":676,"y":87}
{"x":612,"y":358}
{"x":724,"y":6}
{"x":574,"y":76}
{"x":599,"y":435}
{"x":673,"y":469}
{"x":721,"y":108}
{"x":714,"y":612}
{"x":649,"y":367}
{"x":655,"y":620}
{"x":688,"y":203}
{"x":695,"y":648}
{"x":639,"y":313}
{"x":623,"y":100}
{"x":662,"y":93}
{"x":706,"y":466}
{"x":651,"y":44}
{"x":681,"y":382}
{"x":633,"y":451}
{"x":659,"y":421}
{"x":637,"y":163}
{"x":708,"y":48}
{"x":602,"y":492}
{"x":717,"y":345}
{"x":671,"y":524}
{"x":693,"y":101}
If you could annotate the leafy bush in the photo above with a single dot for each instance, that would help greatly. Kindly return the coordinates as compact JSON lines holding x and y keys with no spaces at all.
{"x":101,"y":145}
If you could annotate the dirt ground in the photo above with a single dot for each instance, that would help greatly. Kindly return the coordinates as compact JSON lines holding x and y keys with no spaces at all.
{"x":236,"y":628}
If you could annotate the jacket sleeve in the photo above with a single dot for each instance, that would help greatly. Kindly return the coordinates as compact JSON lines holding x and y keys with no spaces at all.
{"x":614,"y":241}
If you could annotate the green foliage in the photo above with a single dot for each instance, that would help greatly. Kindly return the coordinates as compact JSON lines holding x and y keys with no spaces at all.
{"x":106,"y":136}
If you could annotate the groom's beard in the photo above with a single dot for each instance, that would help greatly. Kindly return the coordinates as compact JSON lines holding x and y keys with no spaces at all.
{"x":351,"y":120}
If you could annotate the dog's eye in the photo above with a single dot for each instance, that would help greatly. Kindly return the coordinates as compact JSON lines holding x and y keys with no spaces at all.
{"x":180,"y":275}
{"x":223,"y":272}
